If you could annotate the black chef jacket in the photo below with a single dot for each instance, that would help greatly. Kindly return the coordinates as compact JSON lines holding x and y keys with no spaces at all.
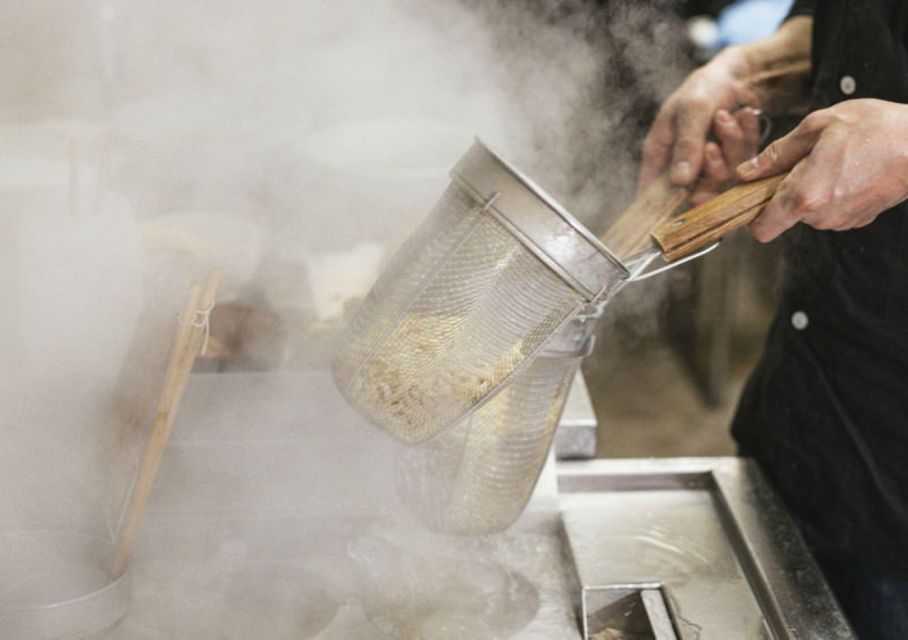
{"x":826,"y":410}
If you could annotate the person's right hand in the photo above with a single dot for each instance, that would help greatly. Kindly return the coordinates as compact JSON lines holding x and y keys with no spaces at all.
{"x":679,"y":133}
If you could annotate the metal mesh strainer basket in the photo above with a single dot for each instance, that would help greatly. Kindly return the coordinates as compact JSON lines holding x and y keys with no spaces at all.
{"x":478,"y":476}
{"x":496,"y":269}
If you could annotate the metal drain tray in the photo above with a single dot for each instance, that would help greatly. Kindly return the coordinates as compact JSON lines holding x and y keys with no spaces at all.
{"x":689,"y":549}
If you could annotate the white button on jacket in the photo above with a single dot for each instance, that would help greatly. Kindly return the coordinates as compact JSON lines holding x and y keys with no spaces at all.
{"x":799,"y":320}
{"x":848,"y":85}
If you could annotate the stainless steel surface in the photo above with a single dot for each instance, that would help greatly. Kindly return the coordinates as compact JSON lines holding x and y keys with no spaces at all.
{"x":710,"y":533}
{"x":626,"y":612}
{"x":494,"y":271}
{"x":576,"y":436}
{"x":656,"y":611}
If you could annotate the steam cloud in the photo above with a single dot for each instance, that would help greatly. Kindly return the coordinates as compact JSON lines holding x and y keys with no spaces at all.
{"x":294,"y":144}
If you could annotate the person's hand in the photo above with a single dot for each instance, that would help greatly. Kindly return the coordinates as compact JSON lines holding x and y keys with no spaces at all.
{"x":679,"y":133}
{"x":737,"y":138}
{"x":849,"y":163}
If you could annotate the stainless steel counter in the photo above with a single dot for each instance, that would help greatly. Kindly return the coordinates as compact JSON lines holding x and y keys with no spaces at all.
{"x":705,"y":536}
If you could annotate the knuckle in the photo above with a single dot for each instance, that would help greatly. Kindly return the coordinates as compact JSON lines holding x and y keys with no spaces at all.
{"x":697,"y":102}
{"x":823,"y":223}
{"x":809,"y":200}
{"x":817,"y":120}
{"x":731,"y":130}
{"x":773,"y":153}
{"x":653,"y":148}
{"x":812,"y":120}
{"x":688,"y":153}
{"x":688,"y":146}
{"x":689,"y":137}
{"x":760,"y":232}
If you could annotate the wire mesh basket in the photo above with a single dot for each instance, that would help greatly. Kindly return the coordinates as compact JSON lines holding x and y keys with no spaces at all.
{"x":495,"y":270}
{"x":477,"y":477}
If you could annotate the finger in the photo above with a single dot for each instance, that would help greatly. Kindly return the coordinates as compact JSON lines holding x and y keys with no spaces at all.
{"x":749,"y":121}
{"x":691,"y":126}
{"x":775,"y":219}
{"x":656,"y":148}
{"x":811,"y":193}
{"x":715,"y":174}
{"x":717,"y":170}
{"x":730,"y":136}
{"x":864,"y":220}
{"x":782,"y":154}
{"x":747,"y":97}
{"x":789,"y":205}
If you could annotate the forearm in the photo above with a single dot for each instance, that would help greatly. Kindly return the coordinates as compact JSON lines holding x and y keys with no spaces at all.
{"x":790,"y":44}
{"x":777,"y":69}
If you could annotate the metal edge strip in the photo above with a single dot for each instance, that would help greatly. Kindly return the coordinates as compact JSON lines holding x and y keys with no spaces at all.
{"x":777,"y":585}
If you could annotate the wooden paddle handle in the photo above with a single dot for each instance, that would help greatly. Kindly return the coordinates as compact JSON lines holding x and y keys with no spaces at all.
{"x":716,"y":218}
{"x":631,"y":232}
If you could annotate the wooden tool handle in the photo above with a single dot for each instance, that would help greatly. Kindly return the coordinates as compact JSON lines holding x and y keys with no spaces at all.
{"x":189,"y":339}
{"x":631,"y":232}
{"x":716,"y":218}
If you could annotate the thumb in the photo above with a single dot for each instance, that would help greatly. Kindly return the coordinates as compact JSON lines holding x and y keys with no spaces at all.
{"x":782,"y":154}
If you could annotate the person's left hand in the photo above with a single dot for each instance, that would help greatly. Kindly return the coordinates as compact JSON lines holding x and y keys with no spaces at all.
{"x":849,"y":163}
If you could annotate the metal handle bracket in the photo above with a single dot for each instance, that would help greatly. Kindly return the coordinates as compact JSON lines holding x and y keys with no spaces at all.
{"x":642,"y":271}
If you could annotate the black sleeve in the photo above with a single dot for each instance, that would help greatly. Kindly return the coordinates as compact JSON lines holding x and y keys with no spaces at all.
{"x":801,"y":8}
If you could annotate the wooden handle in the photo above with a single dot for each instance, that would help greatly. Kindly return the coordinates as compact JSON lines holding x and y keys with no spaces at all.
{"x":187,"y":344}
{"x":631,"y":232}
{"x":716,"y":218}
